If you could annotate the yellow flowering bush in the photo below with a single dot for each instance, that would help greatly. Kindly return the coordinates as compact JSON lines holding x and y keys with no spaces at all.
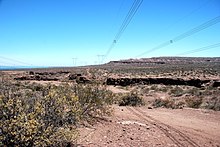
{"x":48,"y":117}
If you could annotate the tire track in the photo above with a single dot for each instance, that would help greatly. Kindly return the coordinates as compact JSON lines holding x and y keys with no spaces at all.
{"x":176,"y":136}
{"x":165,"y":131}
{"x":184,"y":136}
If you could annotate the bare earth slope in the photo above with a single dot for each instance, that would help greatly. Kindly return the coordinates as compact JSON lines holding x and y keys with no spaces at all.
{"x":139,"y":126}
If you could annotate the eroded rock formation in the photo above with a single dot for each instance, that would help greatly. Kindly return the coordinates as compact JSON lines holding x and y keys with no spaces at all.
{"x":165,"y":81}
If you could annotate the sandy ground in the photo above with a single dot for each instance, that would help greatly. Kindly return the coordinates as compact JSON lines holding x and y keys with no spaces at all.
{"x":140,"y":126}
{"x":116,"y":89}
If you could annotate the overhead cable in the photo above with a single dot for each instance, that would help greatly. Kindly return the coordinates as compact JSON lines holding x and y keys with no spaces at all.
{"x":135,"y":6}
{"x":200,"y":49}
{"x":16,"y":61}
{"x":184,"y":35}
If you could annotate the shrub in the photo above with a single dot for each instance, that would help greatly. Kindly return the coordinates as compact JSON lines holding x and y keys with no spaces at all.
{"x":154,"y":87}
{"x":194,"y":91}
{"x":131,"y":99}
{"x":164,"y":89}
{"x":213,"y":103}
{"x":30,"y":118}
{"x":94,"y":101}
{"x":36,"y":121}
{"x":193,"y":102}
{"x":177,"y":91}
{"x":167,"y":103}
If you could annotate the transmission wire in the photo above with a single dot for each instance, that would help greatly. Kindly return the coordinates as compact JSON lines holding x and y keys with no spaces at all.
{"x":135,"y":6}
{"x":197,"y":29}
{"x":200,"y":49}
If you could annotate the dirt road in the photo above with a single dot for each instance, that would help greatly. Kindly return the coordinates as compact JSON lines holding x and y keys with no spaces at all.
{"x":139,"y":126}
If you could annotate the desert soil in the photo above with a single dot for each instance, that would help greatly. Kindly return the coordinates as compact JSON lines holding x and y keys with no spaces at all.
{"x":140,"y":126}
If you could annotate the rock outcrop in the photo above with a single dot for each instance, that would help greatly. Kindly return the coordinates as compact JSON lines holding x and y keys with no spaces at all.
{"x":79,"y":78}
{"x":216,"y":84}
{"x":164,"y":81}
{"x":74,"y":76}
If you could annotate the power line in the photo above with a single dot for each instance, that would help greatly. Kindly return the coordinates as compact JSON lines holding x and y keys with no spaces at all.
{"x":184,"y":35}
{"x":128,"y":18}
{"x":2,"y":63}
{"x":135,"y":6}
{"x":200,"y":49}
{"x":16,"y":61}
{"x":189,"y":14}
{"x":197,"y":29}
{"x":155,"y":48}
{"x":117,"y":14}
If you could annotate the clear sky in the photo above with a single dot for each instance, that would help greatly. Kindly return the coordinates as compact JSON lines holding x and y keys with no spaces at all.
{"x":53,"y":32}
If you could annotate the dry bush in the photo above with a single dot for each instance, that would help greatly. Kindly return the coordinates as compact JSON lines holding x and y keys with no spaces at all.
{"x":94,"y":101}
{"x":154,"y":87}
{"x":131,"y":99}
{"x":47,"y":117}
{"x":194,"y":91}
{"x":193,"y":102}
{"x":176,"y":91}
{"x":213,"y":103}
{"x":167,"y":103}
{"x":27,"y":120}
{"x":164,"y":89}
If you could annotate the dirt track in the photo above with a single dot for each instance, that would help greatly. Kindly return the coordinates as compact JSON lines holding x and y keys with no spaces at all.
{"x":139,"y":126}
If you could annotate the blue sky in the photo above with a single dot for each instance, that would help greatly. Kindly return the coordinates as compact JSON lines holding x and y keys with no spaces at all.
{"x":52,"y":32}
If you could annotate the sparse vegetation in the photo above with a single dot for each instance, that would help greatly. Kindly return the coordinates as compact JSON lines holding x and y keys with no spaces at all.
{"x":131,"y":99}
{"x":177,"y":91}
{"x":48,"y":116}
{"x":213,"y":103}
{"x":167,"y":103}
{"x":193,"y":102}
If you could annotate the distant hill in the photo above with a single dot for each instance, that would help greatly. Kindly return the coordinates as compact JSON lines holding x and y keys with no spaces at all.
{"x":168,"y":60}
